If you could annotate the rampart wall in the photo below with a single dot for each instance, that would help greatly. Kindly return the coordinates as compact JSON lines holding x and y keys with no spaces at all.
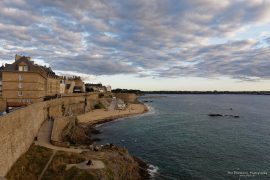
{"x":18,"y":129}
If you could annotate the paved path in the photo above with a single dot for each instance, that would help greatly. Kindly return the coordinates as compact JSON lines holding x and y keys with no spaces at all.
{"x":113,"y":104}
{"x":44,"y":136}
{"x":96,"y":164}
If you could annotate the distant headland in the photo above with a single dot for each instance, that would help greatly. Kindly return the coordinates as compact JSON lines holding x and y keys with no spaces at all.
{"x":139,"y":92}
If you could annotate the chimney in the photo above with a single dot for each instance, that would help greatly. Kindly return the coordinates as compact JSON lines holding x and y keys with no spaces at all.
{"x":17,"y":57}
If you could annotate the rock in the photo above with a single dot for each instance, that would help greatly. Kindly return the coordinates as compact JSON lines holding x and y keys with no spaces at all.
{"x":226,"y":115}
{"x":91,"y":147}
{"x":95,"y":131}
{"x":215,"y":115}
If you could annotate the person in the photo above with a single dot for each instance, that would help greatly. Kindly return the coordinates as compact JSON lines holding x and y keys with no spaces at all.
{"x":89,"y":162}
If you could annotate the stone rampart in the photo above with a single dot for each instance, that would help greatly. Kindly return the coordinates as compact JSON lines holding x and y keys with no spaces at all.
{"x":18,"y":129}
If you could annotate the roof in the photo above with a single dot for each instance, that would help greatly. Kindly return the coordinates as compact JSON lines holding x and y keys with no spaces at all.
{"x":93,"y":85}
{"x":43,"y":70}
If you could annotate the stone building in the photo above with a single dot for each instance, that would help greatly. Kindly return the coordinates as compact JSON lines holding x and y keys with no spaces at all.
{"x":71,"y":85}
{"x":95,"y":87}
{"x":24,"y":82}
{"x":79,"y":85}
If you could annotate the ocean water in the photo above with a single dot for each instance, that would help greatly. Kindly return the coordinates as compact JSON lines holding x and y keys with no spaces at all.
{"x":179,"y":140}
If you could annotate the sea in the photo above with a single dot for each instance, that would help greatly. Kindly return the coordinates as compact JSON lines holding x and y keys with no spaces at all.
{"x":179,"y":140}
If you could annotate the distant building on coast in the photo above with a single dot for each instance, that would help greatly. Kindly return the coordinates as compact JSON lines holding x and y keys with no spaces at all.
{"x":71,"y":85}
{"x":24,"y":82}
{"x":97,"y":88}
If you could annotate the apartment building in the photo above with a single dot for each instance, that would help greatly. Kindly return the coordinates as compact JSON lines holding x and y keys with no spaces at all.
{"x":24,"y":82}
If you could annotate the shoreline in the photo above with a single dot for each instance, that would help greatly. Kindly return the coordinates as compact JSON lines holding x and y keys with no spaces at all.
{"x":101,"y":116}
{"x":133,"y":109}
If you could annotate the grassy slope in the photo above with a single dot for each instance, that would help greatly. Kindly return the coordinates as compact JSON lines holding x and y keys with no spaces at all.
{"x":30,"y":165}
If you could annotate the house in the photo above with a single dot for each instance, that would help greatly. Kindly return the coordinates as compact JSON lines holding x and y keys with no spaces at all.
{"x":79,"y":85}
{"x":71,"y":85}
{"x":24,"y":82}
{"x":109,"y":89}
{"x":95,"y":87}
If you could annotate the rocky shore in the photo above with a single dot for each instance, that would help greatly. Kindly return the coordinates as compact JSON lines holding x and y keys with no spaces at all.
{"x":82,"y":131}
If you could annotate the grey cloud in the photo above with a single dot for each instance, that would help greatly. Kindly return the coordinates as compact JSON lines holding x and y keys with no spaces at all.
{"x":163,"y":38}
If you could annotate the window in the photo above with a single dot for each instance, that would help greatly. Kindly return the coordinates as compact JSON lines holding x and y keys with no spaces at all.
{"x":25,"y":68}
{"x":20,"y":93}
{"x":20,"y":68}
{"x":20,"y":77}
{"x":20,"y":85}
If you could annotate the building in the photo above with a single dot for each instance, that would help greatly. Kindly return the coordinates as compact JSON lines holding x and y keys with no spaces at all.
{"x":1,"y":68}
{"x":79,"y":85}
{"x":95,"y":87}
{"x":109,"y":89}
{"x":24,"y":82}
{"x":71,"y":85}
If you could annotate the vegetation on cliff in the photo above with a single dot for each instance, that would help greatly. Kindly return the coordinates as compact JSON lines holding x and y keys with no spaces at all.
{"x":119,"y":165}
{"x":30,"y":165}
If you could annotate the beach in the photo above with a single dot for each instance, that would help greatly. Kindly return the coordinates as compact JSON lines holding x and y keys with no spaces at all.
{"x":99,"y":116}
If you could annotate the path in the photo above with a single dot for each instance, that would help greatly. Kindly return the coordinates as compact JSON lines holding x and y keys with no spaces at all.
{"x":44,"y":136}
{"x":43,"y":139}
{"x":47,"y":165}
{"x":113,"y":104}
{"x":96,"y":164}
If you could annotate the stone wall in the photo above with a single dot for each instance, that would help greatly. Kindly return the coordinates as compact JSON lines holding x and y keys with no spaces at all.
{"x":19,"y":128}
{"x":127,"y":97}
{"x":2,"y":104}
{"x":58,"y":126}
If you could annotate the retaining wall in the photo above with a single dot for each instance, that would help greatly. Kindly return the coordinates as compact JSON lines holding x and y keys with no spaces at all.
{"x":19,"y":128}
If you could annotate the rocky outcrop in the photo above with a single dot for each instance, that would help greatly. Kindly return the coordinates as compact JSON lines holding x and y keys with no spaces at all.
{"x":76,"y":134}
{"x":223,"y":115}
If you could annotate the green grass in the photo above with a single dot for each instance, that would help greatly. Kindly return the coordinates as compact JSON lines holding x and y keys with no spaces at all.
{"x":57,"y":169}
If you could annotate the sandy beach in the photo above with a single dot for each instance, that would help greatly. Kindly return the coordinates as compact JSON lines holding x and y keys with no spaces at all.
{"x":101,"y":115}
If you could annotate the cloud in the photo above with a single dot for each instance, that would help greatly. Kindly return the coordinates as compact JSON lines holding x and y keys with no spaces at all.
{"x":155,"y":38}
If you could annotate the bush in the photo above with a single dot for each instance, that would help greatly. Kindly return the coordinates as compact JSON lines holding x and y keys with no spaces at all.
{"x":99,"y":106}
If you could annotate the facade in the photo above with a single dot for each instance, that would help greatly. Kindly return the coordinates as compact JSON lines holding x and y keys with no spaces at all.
{"x":95,"y":88}
{"x":109,"y":89}
{"x":71,"y":85}
{"x":24,"y":82}
{"x":79,"y":85}
{"x":1,"y":81}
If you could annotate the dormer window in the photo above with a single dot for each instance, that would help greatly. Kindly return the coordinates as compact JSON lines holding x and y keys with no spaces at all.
{"x":20,"y":68}
{"x":23,"y":68}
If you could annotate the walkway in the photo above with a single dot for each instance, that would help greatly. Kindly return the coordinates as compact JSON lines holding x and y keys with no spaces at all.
{"x":44,"y":136}
{"x":96,"y":164}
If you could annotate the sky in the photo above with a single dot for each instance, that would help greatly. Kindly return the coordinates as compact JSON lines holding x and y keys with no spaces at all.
{"x":144,"y":44}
